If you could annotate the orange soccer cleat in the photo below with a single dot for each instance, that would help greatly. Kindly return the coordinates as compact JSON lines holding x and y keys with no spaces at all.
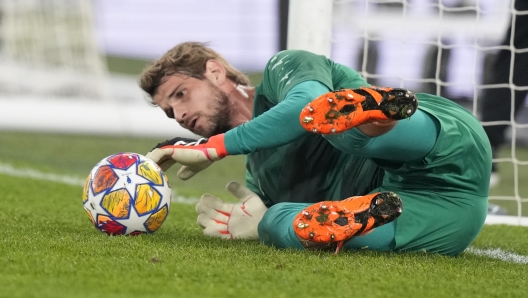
{"x":337,"y":111}
{"x":331,"y":222}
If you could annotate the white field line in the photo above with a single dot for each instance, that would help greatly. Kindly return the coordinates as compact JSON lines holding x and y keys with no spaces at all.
{"x":499,"y":254}
{"x":69,"y":180}
{"x":34,"y":174}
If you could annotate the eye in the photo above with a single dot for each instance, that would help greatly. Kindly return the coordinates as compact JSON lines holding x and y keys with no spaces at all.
{"x":181,"y":94}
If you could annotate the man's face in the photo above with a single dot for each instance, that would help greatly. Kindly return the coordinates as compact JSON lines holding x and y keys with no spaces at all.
{"x":197,"y":105}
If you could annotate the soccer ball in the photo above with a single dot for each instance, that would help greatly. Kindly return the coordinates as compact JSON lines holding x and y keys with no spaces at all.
{"x":127,"y":194}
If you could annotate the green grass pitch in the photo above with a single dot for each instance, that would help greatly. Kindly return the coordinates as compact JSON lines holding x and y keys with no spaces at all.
{"x":48,"y":247}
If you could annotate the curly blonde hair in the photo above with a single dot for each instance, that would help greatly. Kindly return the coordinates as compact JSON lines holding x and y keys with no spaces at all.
{"x":189,"y":59}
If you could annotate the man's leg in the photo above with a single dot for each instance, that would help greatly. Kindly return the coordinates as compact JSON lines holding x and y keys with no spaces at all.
{"x":408,"y":140}
{"x":278,"y":226}
{"x":336,"y":115}
{"x":380,"y":239}
{"x":364,"y":122}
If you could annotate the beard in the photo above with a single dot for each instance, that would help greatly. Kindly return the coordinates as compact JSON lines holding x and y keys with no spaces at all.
{"x":220,"y":118}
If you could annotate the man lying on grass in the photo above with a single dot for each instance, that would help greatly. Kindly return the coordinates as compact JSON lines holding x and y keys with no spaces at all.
{"x":331,"y":164}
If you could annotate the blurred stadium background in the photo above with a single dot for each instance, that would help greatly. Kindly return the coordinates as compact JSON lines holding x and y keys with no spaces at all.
{"x":72,"y":65}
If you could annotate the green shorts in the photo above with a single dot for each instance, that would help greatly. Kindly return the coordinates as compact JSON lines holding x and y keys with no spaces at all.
{"x":439,"y":223}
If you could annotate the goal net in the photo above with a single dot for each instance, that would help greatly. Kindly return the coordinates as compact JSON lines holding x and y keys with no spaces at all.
{"x":48,"y":49}
{"x":442,"y":47}
{"x":53,"y":75}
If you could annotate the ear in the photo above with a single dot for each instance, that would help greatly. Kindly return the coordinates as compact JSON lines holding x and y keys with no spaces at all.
{"x":215,"y":72}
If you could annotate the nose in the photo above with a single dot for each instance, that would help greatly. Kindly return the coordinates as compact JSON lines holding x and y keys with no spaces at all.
{"x":180,"y":116}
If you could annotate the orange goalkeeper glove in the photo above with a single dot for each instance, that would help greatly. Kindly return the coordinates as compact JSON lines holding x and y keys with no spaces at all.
{"x":194,"y":156}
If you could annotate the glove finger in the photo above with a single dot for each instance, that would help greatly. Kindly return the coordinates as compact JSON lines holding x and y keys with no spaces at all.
{"x":205,"y":221}
{"x":185,"y":173}
{"x":163,"y":161}
{"x":212,"y":201}
{"x":158,"y":155}
{"x":240,"y":191}
{"x":200,"y":220}
{"x":214,"y":207}
{"x":212,"y":228}
{"x":215,"y":232}
{"x":211,"y":213}
{"x":166,"y":164}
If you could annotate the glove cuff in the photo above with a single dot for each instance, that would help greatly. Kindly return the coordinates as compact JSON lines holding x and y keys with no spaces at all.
{"x":218,"y":143}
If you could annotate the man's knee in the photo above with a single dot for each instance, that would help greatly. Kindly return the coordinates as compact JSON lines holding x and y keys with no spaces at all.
{"x":271,"y":218}
{"x":276,"y":227}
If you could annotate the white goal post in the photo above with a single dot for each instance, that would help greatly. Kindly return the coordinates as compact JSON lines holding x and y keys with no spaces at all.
{"x":434,"y":46}
{"x":310,"y":26}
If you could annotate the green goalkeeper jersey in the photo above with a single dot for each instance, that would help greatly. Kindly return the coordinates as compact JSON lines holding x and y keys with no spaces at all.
{"x":302,"y":167}
{"x":444,"y":194}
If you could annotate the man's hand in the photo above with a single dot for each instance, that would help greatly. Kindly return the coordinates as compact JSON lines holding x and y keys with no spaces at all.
{"x":231,"y":220}
{"x":194,"y":156}
{"x":166,"y":163}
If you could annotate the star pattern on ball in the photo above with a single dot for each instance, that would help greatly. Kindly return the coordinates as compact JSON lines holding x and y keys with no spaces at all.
{"x":128,"y":179}
{"x":134,"y":222}
{"x":94,"y":209}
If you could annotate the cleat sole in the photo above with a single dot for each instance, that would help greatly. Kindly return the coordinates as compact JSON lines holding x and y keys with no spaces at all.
{"x":337,"y":221}
{"x":337,"y":111}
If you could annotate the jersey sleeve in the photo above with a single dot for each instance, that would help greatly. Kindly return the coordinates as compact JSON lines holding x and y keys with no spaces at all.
{"x":291,"y":80}
{"x":278,"y":126}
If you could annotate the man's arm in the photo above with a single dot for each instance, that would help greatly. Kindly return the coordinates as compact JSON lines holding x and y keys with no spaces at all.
{"x":278,"y":126}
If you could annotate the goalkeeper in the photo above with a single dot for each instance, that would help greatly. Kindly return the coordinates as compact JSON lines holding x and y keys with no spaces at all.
{"x":311,"y":147}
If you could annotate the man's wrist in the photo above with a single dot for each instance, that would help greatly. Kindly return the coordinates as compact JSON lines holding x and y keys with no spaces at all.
{"x":217,"y":142}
